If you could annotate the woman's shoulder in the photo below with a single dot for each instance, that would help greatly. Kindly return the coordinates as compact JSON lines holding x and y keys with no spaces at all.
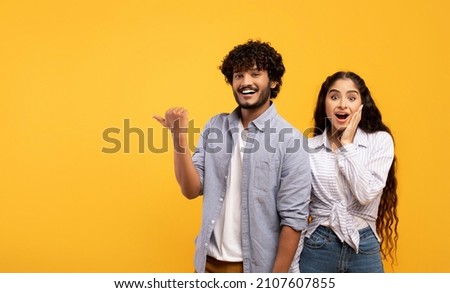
{"x":380,"y":135}
{"x":381,"y":138}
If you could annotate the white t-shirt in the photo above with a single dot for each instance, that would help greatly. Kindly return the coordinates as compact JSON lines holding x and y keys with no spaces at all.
{"x":226,"y":240}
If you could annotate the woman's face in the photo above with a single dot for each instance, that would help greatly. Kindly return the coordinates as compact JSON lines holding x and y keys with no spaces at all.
{"x":342,"y":101}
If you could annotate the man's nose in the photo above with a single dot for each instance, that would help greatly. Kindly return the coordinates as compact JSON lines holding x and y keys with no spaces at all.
{"x":247,"y":79}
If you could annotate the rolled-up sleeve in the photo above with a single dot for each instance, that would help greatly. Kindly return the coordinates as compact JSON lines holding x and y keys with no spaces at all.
{"x":295,"y":186}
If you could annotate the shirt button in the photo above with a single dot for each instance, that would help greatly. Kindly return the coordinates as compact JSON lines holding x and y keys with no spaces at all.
{"x":221,"y":199}
{"x":206,"y":244}
{"x":212,"y":221}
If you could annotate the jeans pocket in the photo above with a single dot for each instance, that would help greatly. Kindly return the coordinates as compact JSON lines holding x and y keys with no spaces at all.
{"x":369,"y":244}
{"x":315,"y":241}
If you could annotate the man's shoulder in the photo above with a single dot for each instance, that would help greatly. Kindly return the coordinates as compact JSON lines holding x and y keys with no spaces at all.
{"x":286,"y":126}
{"x":221,"y":115}
{"x":218,"y":118}
{"x":219,"y":121}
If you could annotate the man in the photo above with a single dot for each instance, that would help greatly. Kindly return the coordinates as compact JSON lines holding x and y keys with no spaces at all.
{"x":250,"y":168}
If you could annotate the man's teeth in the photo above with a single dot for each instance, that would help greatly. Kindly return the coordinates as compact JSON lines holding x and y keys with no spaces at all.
{"x":245,"y":92}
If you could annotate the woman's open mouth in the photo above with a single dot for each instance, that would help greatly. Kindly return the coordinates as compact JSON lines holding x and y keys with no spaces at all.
{"x":342,"y":116}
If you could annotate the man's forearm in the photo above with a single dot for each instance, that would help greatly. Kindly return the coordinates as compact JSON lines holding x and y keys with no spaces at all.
{"x":287,"y":246}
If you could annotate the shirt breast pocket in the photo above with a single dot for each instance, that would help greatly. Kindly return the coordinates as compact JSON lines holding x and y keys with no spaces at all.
{"x":265,"y":178}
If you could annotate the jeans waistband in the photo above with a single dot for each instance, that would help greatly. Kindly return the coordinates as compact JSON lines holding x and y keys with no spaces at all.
{"x":328,"y":232}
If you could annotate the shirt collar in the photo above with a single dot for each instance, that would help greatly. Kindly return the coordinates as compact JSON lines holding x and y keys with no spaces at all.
{"x":259,"y":122}
{"x":234,"y":117}
{"x":320,"y":140}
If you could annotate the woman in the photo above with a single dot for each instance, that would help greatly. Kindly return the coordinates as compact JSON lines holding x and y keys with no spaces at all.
{"x":353,"y":208}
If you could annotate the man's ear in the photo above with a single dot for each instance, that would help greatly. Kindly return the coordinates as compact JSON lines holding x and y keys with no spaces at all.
{"x":273,"y":84}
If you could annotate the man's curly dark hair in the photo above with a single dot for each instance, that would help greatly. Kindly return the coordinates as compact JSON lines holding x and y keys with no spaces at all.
{"x":246,"y":56}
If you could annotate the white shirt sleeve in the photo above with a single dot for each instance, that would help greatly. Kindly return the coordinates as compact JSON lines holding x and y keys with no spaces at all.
{"x":366,"y":167}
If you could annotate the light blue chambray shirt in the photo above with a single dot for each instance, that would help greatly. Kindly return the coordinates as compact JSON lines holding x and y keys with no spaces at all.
{"x":276,"y":184}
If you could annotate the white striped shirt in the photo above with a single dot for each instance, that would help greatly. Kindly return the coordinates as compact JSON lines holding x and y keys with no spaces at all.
{"x":347,"y":184}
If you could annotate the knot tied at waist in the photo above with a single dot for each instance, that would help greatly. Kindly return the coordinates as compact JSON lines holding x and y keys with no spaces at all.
{"x":341,"y":222}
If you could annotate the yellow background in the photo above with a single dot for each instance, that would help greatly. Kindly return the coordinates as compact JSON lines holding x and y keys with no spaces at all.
{"x":71,"y":69}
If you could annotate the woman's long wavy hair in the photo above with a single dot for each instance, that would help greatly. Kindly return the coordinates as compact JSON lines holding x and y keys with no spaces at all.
{"x":371,"y":122}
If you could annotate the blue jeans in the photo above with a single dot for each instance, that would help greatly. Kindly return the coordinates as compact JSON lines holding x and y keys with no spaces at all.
{"x":324,"y":252}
